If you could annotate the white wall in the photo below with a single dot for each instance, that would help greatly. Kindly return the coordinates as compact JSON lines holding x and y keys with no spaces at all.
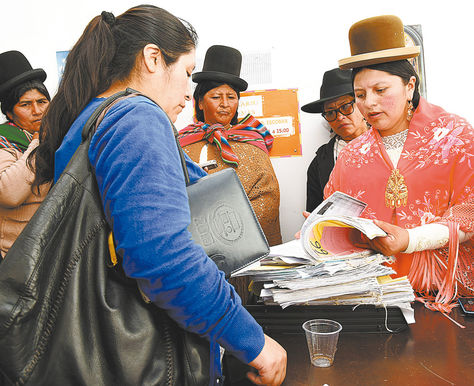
{"x":306,"y":38}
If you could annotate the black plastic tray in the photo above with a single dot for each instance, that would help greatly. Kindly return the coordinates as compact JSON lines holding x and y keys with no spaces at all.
{"x":364,"y":318}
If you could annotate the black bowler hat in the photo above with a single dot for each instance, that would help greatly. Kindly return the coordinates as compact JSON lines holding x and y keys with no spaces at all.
{"x":336,"y":83}
{"x":222,"y":64}
{"x":15,"y":69}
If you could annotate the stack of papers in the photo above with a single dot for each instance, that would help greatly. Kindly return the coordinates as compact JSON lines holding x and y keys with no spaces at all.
{"x":324,"y":267}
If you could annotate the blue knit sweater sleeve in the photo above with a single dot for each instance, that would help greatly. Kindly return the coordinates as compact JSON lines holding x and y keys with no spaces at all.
{"x":141,"y":182}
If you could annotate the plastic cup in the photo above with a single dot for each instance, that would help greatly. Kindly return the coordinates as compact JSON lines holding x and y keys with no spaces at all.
{"x":322,"y":336}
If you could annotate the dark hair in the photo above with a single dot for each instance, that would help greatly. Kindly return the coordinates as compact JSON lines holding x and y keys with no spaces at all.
{"x":401,"y":68}
{"x":106,"y":52}
{"x":202,"y":89}
{"x":14,"y":95}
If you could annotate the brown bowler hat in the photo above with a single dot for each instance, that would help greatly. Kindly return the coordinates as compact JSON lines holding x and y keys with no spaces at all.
{"x":375,"y":40}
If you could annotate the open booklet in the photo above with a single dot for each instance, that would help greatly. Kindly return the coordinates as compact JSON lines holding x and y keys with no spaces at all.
{"x":330,"y":233}
{"x":334,"y":228}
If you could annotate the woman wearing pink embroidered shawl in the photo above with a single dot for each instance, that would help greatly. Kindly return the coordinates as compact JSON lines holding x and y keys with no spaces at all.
{"x":414,"y":168}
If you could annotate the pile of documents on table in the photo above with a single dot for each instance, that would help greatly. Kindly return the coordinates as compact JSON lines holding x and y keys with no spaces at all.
{"x":324,"y":267}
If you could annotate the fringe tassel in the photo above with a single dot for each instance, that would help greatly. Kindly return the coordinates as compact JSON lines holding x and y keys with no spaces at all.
{"x":448,"y":291}
{"x":428,"y":274}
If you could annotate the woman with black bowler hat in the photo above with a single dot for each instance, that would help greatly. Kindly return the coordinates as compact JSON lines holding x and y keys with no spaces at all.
{"x":23,"y":99}
{"x":242,"y":145}
{"x":337,"y":106}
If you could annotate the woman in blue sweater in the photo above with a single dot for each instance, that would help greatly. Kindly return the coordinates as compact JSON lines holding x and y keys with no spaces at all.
{"x":138,"y":171}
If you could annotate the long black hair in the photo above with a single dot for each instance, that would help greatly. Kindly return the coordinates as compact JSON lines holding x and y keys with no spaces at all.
{"x":14,"y":95}
{"x":106,"y":52}
{"x":401,"y":68}
{"x":202,"y":89}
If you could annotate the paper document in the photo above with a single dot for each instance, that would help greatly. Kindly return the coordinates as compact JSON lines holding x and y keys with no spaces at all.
{"x":291,"y":248}
{"x":334,"y":228}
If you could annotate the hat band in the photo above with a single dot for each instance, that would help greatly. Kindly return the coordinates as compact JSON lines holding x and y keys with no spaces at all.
{"x":376,"y":57}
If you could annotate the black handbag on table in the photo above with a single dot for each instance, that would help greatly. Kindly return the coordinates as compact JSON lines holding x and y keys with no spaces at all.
{"x":67,"y":317}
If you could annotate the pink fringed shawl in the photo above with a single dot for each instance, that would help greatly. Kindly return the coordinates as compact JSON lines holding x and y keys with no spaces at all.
{"x":437,"y":164}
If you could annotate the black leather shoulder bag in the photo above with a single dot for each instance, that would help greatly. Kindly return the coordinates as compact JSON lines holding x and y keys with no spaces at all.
{"x":67,"y":317}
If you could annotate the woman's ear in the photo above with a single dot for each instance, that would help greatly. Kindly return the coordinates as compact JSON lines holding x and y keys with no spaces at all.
{"x":9,"y":116}
{"x":152,"y":58}
{"x":411,"y":87}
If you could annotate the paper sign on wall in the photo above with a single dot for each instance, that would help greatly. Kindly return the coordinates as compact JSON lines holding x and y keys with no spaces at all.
{"x":252,"y":104}
{"x":279,"y":126}
{"x":278,"y":110}
{"x":61,"y":62}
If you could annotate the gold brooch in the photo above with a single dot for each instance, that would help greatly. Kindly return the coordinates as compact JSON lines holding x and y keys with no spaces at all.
{"x":396,"y":191}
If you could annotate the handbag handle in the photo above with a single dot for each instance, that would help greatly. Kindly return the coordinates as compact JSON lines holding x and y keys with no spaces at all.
{"x":181,"y":156}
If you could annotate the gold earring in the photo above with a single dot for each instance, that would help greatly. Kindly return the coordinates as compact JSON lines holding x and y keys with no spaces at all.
{"x":410,"y":111}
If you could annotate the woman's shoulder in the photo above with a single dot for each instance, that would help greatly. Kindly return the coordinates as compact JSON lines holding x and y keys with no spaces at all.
{"x":428,"y":114}
{"x":137,"y":113}
{"x":327,"y":148}
{"x":137,"y":104}
{"x":8,"y":152}
{"x":362,"y":139}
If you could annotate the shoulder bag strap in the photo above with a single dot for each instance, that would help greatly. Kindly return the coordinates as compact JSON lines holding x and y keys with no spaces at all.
{"x":89,"y":126}
{"x":181,"y":155}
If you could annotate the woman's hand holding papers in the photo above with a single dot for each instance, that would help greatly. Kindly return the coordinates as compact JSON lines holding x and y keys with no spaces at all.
{"x":395,"y":242}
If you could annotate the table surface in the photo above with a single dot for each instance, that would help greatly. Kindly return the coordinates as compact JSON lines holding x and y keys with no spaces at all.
{"x":433,"y":351}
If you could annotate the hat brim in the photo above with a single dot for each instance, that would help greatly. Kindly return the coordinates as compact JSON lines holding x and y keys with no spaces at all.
{"x":38,"y":74}
{"x":221,"y":77}
{"x":318,"y":106}
{"x":376,"y":57}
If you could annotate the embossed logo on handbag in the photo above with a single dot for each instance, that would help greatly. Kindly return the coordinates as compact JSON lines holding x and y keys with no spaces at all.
{"x":226,"y":223}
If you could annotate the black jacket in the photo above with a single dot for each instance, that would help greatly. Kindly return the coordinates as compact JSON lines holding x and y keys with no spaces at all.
{"x":318,"y":174}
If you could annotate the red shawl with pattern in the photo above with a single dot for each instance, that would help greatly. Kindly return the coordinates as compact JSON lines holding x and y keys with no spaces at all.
{"x":248,"y":130}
